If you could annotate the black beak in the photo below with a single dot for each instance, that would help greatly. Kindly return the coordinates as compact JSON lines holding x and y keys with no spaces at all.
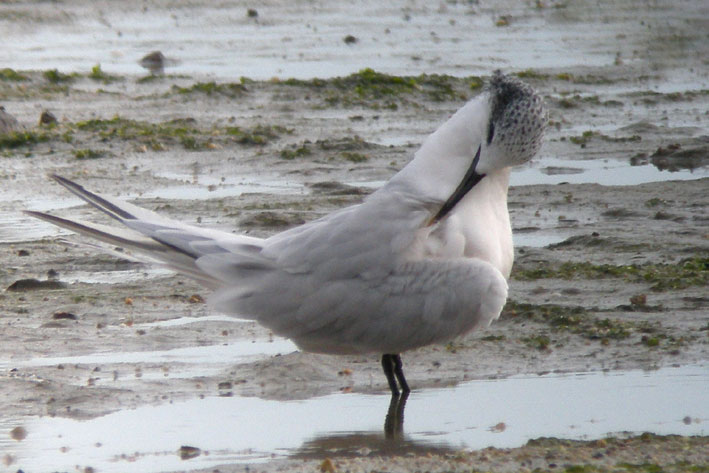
{"x":471,"y":178}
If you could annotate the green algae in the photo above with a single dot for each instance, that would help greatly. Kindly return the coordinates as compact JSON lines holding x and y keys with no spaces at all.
{"x":583,"y":138}
{"x":348,"y":148}
{"x":17,"y":139}
{"x":575,"y":101}
{"x":128,"y":129}
{"x":183,"y":131}
{"x":98,"y":74}
{"x":570,"y":319}
{"x":598,"y":452}
{"x":55,"y":77}
{"x":377,"y":90}
{"x":296,"y":152}
{"x":88,"y":153}
{"x":689,"y":272}
{"x":588,"y":135}
{"x":269,"y":219}
{"x":7,"y":74}
{"x":258,"y":135}
{"x":493,"y":338}
{"x":651,"y":97}
{"x":145,"y":135}
{"x":354,"y":157}
{"x":538,"y":342}
{"x":149,"y":78}
{"x":532,"y":74}
{"x":212,"y":88}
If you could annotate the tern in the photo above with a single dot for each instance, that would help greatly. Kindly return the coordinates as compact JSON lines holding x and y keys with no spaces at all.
{"x":422,"y":260}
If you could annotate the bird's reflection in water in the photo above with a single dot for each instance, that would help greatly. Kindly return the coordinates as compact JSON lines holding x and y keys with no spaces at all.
{"x":394,"y":420}
{"x":356,"y":444}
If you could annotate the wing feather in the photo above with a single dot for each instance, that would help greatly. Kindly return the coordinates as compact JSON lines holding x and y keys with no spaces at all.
{"x":416,"y":304}
{"x":157,"y":238}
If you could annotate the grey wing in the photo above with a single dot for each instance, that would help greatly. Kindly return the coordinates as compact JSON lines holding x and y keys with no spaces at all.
{"x":416,"y":304}
{"x":358,"y":240}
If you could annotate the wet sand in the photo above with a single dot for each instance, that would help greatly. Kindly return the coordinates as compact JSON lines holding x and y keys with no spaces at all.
{"x":607,"y":277}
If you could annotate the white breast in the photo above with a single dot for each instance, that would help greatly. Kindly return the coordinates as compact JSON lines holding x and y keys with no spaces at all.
{"x":478,"y":227}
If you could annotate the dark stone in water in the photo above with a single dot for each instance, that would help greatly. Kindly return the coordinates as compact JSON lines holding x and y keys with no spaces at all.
{"x":8,"y":123}
{"x":675,"y":157}
{"x":154,"y":62}
{"x":336,"y":188}
{"x":64,"y":316}
{"x":186,"y":452}
{"x":32,"y":284}
{"x":47,"y":118}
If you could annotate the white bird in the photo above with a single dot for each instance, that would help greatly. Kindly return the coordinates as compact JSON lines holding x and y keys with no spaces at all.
{"x":422,"y":260}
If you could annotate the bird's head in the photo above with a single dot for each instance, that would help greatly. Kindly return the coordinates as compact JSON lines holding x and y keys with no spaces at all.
{"x":503,"y":126}
{"x":516,"y":120}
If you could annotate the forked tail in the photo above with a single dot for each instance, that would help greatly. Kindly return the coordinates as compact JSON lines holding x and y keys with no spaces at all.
{"x":154,"y":237}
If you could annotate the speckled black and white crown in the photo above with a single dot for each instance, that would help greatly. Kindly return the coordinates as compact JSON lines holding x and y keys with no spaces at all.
{"x":518,"y":118}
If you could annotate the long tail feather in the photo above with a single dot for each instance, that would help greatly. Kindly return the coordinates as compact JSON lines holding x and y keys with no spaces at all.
{"x":105,"y":233}
{"x":154,"y":237}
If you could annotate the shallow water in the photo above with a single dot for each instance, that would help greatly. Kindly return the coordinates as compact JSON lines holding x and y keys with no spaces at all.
{"x":554,"y":171}
{"x":608,"y":172}
{"x":307,"y":40}
{"x":662,"y":50}
{"x":547,"y":170}
{"x":293,"y":40}
{"x":203,"y":186}
{"x":478,"y":414}
{"x":212,"y":357}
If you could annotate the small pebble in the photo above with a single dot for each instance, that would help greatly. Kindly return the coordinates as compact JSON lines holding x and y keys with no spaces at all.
{"x":18,"y":433}
{"x":47,"y":118}
{"x":186,"y":452}
{"x":64,"y":316}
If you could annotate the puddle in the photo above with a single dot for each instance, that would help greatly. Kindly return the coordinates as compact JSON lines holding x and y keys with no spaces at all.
{"x":295,"y":41}
{"x":141,"y":273}
{"x":549,"y":170}
{"x":209,"y":187}
{"x":500,"y":413}
{"x":23,"y":228}
{"x":18,"y":227}
{"x":178,"y":363}
{"x":607,"y":172}
{"x":536,"y":239}
{"x":208,"y":355}
{"x":290,"y":42}
{"x":191,"y":320}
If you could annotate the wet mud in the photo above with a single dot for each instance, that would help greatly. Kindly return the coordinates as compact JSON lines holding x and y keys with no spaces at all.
{"x":611,"y":225}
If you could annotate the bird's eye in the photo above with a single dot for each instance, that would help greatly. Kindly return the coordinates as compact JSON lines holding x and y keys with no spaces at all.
{"x":490,"y":132}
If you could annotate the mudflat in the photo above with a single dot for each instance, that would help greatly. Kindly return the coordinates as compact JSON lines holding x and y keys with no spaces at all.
{"x":611,"y":224}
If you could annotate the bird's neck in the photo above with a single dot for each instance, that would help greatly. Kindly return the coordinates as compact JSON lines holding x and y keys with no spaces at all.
{"x":444,"y":157}
{"x":485,"y":220}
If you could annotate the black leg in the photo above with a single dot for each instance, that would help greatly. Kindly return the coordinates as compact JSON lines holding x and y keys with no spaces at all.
{"x":394,"y":422}
{"x":399,"y":372}
{"x":394,"y":372}
{"x":388,"y":364}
